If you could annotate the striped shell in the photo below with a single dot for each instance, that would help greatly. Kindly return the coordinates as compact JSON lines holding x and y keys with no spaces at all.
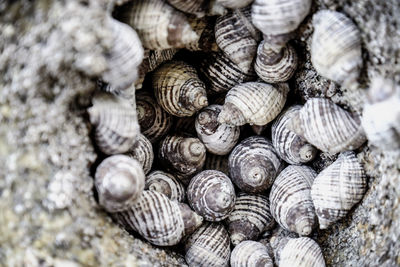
{"x":204,"y":28}
{"x":212,"y":195}
{"x":290,"y":147}
{"x":234,"y":4}
{"x":327,"y":126}
{"x":216,"y":162}
{"x":119,"y":182}
{"x":166,"y":184}
{"x":301,"y":252}
{"x":254,"y":164}
{"x":254,"y":103}
{"x":290,"y":197}
{"x":194,"y":7}
{"x":142,"y":151}
{"x":178,"y":89}
{"x":338,"y":188}
{"x":250,"y":254}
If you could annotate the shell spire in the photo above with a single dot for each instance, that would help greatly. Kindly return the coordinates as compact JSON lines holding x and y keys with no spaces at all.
{"x":167,"y":184}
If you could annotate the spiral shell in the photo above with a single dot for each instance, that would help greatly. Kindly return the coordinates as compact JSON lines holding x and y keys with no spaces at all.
{"x":216,"y":162}
{"x":290,"y":147}
{"x":204,"y":28}
{"x":327,"y":126}
{"x":166,"y":184}
{"x":250,"y":254}
{"x":336,"y":47}
{"x":178,"y":89}
{"x":142,"y":151}
{"x":338,"y":188}
{"x":234,"y":4}
{"x":301,"y":252}
{"x":196,"y":7}
{"x":211,"y":194}
{"x":254,"y":164}
{"x":253,"y":102}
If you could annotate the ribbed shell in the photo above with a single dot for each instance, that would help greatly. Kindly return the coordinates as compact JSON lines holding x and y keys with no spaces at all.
{"x":301,"y":252}
{"x":249,"y":218}
{"x":336,"y":47}
{"x":178,"y":89}
{"x":142,"y":151}
{"x":234,"y":4}
{"x":194,"y":7}
{"x":204,"y":28}
{"x":338,"y":188}
{"x":250,"y":254}
{"x":119,"y":182}
{"x":290,"y":147}
{"x":254,"y":103}
{"x":290,"y":197}
{"x":216,"y":162}
{"x":327,"y":126}
{"x":166,"y":184}
{"x":254,"y":164}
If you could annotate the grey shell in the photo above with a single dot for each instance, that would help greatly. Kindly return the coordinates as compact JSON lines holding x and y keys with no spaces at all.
{"x":250,"y":254}
{"x":194,"y":7}
{"x":142,"y":151}
{"x":166,"y":184}
{"x":204,"y":28}
{"x":301,"y":252}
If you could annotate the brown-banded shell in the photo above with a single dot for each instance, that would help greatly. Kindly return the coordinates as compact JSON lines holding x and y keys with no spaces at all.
{"x":166,"y":184}
{"x":338,"y":188}
{"x":253,"y":102}
{"x":194,"y":7}
{"x":204,"y":27}
{"x":216,"y":162}
{"x":142,"y":151}
{"x":234,"y":4}
{"x":301,"y":252}
{"x":327,"y":126}
{"x":250,"y":254}
{"x":218,"y":138}
{"x":290,"y":197}
{"x":119,"y":182}
{"x":178,"y":89}
{"x":212,"y":195}
{"x":254,"y":164}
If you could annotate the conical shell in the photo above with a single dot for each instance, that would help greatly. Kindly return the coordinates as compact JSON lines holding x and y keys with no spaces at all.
{"x":327,"y":126}
{"x":338,"y":188}
{"x":291,"y":147}
{"x":212,"y":195}
{"x":250,"y":254}
{"x":336,"y":47}
{"x":166,"y":184}
{"x":234,"y":4}
{"x":216,"y":162}
{"x":119,"y":182}
{"x":142,"y":151}
{"x":204,"y":28}
{"x":194,"y":7}
{"x":300,"y":252}
{"x":290,"y":197}
{"x":254,"y":164}
{"x":178,"y":89}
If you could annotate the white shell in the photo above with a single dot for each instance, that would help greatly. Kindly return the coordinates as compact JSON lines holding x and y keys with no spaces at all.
{"x":165,"y":183}
{"x":250,"y":254}
{"x":301,"y":252}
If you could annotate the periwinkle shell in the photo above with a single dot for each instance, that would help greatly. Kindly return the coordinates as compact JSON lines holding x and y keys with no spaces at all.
{"x":166,"y":184}
{"x":142,"y":151}
{"x":250,"y":254}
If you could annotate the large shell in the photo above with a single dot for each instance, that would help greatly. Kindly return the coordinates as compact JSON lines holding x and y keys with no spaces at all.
{"x":178,"y":89}
{"x":290,"y":147}
{"x":301,"y":252}
{"x":249,"y":218}
{"x":254,"y":164}
{"x":336,"y":47}
{"x":142,"y":151}
{"x":218,"y":138}
{"x":250,"y":254}
{"x":338,"y":188}
{"x":253,"y":102}
{"x":119,"y":181}
{"x":216,"y":162}
{"x":290,"y":197}
{"x":194,"y":7}
{"x":327,"y":126}
{"x":212,"y":195}
{"x":204,"y":27}
{"x":234,"y":4}
{"x":165,"y":183}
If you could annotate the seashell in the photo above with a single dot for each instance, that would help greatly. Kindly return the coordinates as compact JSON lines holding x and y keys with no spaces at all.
{"x":119,"y":182}
{"x":301,"y":252}
{"x":338,"y":188}
{"x":249,"y":218}
{"x":178,"y":89}
{"x":142,"y":151}
{"x":250,"y":254}
{"x":217,"y":138}
{"x":196,"y":7}
{"x":254,"y":164}
{"x":166,"y":184}
{"x":208,"y":246}
{"x":327,"y":126}
{"x":290,"y":147}
{"x":290,"y":197}
{"x":253,"y":102}
{"x":234,"y":4}
{"x":204,"y":28}
{"x":216,"y":162}
{"x":115,"y":121}
{"x":211,"y":194}
{"x":336,"y":48}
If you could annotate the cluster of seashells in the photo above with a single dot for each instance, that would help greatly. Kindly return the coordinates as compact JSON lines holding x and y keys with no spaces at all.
{"x":180,"y":165}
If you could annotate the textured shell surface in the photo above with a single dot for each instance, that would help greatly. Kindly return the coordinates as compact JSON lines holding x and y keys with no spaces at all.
{"x":327,"y":126}
{"x":142,"y":151}
{"x":234,"y":4}
{"x":336,"y":47}
{"x":166,"y":184}
{"x":217,"y":162}
{"x":301,"y":252}
{"x":194,"y":7}
{"x":212,"y":195}
{"x":119,"y":181}
{"x":249,"y":218}
{"x":218,"y":138}
{"x":254,"y":164}
{"x":290,"y":197}
{"x":291,"y":147}
{"x":250,"y":254}
{"x":204,"y":28}
{"x":178,"y":89}
{"x":338,"y":188}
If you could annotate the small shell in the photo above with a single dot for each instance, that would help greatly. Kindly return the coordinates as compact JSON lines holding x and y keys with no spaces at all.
{"x":211,"y":194}
{"x":254,"y":164}
{"x":301,"y":252}
{"x":336,"y":47}
{"x":327,"y":126}
{"x":234,"y":4}
{"x":178,"y":89}
{"x":196,"y":7}
{"x":250,"y":254}
{"x":166,"y":184}
{"x":216,"y":162}
{"x":290,"y":197}
{"x":338,"y":188}
{"x":250,"y":217}
{"x":218,"y":138}
{"x":204,"y":28}
{"x":119,"y":182}
{"x":142,"y":151}
{"x":291,"y":147}
{"x":253,"y":102}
